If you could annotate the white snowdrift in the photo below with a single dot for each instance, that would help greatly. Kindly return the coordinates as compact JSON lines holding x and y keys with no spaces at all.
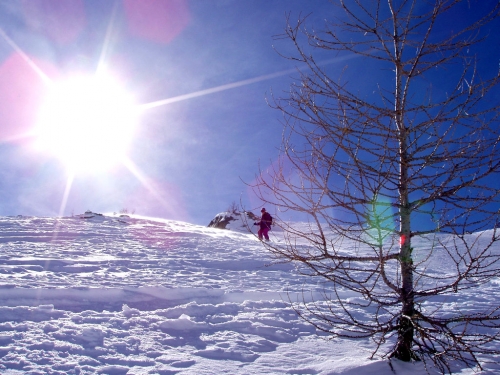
{"x":108,"y":295}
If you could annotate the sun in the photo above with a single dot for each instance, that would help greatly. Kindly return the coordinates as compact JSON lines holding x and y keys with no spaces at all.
{"x":87,"y":121}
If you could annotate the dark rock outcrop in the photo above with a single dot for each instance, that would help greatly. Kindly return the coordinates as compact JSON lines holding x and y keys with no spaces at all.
{"x":235,"y":220}
{"x":222,"y":220}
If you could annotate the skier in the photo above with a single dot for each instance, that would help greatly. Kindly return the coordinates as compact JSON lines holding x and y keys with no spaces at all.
{"x":265,"y":224}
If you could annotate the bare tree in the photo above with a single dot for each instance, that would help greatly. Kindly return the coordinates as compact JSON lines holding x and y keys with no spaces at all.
{"x":233,"y":208}
{"x":388,"y":172}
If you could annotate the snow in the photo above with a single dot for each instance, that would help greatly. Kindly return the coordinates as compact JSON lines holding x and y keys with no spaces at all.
{"x":113,"y":295}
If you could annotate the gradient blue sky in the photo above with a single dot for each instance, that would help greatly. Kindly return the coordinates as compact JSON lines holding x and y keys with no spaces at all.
{"x":207,"y":69}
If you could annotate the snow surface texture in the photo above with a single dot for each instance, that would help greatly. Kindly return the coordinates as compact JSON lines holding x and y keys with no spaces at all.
{"x":107,"y":295}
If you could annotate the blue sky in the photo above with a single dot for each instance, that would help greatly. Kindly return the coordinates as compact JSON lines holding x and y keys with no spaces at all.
{"x":203,"y":68}
{"x":190,"y":156}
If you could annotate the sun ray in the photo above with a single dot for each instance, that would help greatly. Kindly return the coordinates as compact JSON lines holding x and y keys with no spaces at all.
{"x":212,"y":90}
{"x":67,"y":190}
{"x":107,"y":39}
{"x":129,"y":164}
{"x":17,"y":128}
{"x":62,"y":207}
{"x":26,"y":58}
{"x":229,"y":86}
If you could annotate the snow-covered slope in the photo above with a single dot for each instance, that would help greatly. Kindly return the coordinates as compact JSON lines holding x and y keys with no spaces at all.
{"x":140,"y":296}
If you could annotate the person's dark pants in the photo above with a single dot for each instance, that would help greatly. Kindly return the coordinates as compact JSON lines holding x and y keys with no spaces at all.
{"x":263,"y":232}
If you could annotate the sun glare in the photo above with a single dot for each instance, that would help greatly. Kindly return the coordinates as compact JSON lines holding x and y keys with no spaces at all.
{"x":87,"y":122}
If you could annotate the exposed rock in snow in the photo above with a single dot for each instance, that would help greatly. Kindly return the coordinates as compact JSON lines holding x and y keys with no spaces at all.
{"x":233,"y":220}
{"x":89,"y":215}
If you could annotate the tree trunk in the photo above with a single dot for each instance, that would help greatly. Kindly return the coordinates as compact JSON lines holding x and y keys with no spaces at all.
{"x":403,"y":349}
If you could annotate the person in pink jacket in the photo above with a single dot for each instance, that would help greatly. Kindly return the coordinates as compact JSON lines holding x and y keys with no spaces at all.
{"x":265,"y":225}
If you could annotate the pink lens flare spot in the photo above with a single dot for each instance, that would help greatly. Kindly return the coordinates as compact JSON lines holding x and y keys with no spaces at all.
{"x":61,"y":21}
{"x":157,"y":20}
{"x":24,"y":85}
